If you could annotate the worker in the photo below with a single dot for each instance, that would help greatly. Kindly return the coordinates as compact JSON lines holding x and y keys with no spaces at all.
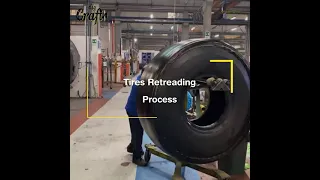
{"x":135,"y":146}
{"x":189,"y":100}
{"x":131,"y":64}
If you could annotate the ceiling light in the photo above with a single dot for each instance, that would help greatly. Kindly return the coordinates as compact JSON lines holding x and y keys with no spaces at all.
{"x":233,"y":29}
{"x":193,"y":28}
{"x":151,"y":27}
{"x":151,"y":34}
{"x":171,"y":27}
{"x":246,"y":18}
{"x":217,"y":35}
{"x":135,"y":39}
{"x":233,"y":18}
{"x":151,"y":15}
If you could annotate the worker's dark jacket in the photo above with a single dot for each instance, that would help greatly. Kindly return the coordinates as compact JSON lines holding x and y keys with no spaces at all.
{"x":131,"y":106}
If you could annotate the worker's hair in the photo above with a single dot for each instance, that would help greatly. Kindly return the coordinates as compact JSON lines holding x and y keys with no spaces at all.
{"x":143,"y":68}
{"x":141,"y":65}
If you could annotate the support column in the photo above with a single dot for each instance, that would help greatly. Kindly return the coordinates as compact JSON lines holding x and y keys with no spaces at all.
{"x":131,"y":42}
{"x":95,"y":27}
{"x":127,"y":44}
{"x":185,"y":28}
{"x":117,"y":34}
{"x":92,"y":53}
{"x":95,"y":67}
{"x":103,"y":33}
{"x":135,"y":44}
{"x":207,"y":7}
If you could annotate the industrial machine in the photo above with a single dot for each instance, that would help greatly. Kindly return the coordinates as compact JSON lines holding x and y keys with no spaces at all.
{"x":86,"y":65}
{"x":220,"y":133}
{"x":74,"y":64}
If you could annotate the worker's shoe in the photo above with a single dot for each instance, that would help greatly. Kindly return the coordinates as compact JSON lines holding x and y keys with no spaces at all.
{"x":130,"y":148}
{"x":140,"y":162}
{"x":142,"y":153}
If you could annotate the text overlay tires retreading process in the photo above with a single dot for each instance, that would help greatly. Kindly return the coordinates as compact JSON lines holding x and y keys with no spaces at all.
{"x":160,"y":82}
{"x":215,"y":84}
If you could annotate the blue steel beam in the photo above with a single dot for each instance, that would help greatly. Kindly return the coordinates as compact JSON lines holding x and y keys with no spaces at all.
{"x":163,"y":38}
{"x":147,"y":7}
{"x":119,"y":18}
{"x":217,"y":22}
{"x":218,"y":14}
{"x":140,"y":31}
{"x":124,"y":19}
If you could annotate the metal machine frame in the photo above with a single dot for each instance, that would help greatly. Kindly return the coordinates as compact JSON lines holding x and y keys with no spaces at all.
{"x":179,"y":169}
{"x":232,"y":164}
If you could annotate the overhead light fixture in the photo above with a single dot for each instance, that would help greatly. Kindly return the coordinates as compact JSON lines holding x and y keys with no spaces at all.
{"x":151,"y":34}
{"x":246,"y":18}
{"x":151,"y":27}
{"x":171,"y":27}
{"x":135,"y":39}
{"x":217,"y":35}
{"x":151,"y":15}
{"x":233,"y":29}
{"x":193,"y":28}
{"x":233,"y":18}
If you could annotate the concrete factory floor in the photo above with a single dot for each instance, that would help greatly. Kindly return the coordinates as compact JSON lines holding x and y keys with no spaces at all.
{"x":98,"y":145}
{"x":77,"y":104}
{"x":78,"y":113}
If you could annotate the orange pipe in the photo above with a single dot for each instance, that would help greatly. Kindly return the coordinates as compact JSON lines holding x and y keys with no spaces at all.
{"x":112,"y":50}
{"x":127,"y":69}
{"x":112,"y":36}
{"x":100,"y":75}
{"x":115,"y":71}
{"x":122,"y":71}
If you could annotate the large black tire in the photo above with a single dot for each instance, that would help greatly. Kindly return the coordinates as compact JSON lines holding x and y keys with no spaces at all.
{"x":171,"y":131}
{"x":74,"y":62}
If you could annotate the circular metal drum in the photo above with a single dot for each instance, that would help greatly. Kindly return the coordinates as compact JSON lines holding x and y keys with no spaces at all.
{"x":224,"y":124}
{"x":74,"y":62}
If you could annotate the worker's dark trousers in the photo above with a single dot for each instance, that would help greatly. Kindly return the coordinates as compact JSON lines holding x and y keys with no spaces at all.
{"x":131,"y":68}
{"x":136,"y":135}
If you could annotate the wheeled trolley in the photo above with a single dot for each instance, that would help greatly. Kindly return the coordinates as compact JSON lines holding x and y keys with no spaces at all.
{"x":179,"y":169}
